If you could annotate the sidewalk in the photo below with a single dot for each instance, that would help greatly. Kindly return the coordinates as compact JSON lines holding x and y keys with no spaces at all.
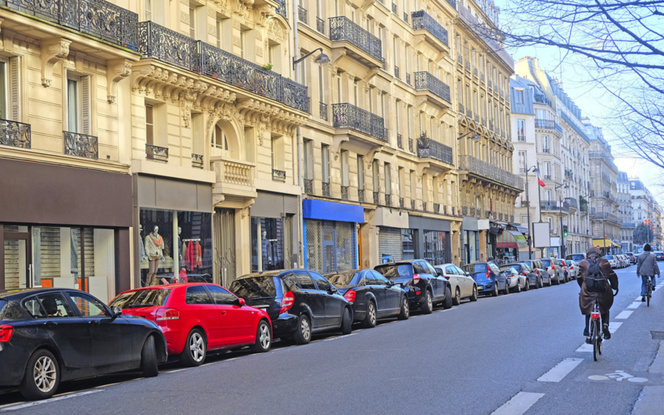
{"x":651,"y":401}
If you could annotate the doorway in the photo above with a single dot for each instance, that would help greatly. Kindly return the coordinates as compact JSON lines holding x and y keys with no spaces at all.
{"x":17,"y":253}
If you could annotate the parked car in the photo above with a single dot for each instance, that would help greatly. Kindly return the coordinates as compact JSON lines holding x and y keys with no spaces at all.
{"x":572,"y":268}
{"x":50,"y":335}
{"x":578,"y":257}
{"x":515,"y":280}
{"x":612,"y":260}
{"x":624,"y":262}
{"x":659,"y":255}
{"x":421,"y":281}
{"x":540,"y":269}
{"x":532,"y":280}
{"x":554,"y":269}
{"x":462,"y":285}
{"x":300,"y":302}
{"x":198,"y":318}
{"x":372,"y":295}
{"x":632,"y":257}
{"x":488,"y":277}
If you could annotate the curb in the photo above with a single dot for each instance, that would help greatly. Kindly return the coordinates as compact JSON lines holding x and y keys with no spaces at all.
{"x":651,"y":400}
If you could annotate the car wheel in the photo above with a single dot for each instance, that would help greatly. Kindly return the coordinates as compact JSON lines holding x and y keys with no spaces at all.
{"x":42,"y":376}
{"x":195,"y":349}
{"x":427,"y":305}
{"x":495,"y":290}
{"x":405,"y":309}
{"x":370,"y":318}
{"x":447,"y":304}
{"x":527,"y":285}
{"x":474,"y":296}
{"x":346,"y":322}
{"x":518,"y":287}
{"x":507,"y":288}
{"x":149,"y":364}
{"x":303,"y":332}
{"x":457,"y":296}
{"x":263,"y":338}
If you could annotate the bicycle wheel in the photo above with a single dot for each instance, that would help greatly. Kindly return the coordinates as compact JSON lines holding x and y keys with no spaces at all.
{"x":648,"y":292}
{"x":595,"y":336}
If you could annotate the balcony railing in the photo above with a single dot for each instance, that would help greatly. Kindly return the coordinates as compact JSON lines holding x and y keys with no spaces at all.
{"x":169,"y":46}
{"x":360,"y":195}
{"x":436,"y":207}
{"x":156,"y":153}
{"x":278,"y":175}
{"x":422,"y":20}
{"x":477,"y":166}
{"x":388,"y":200}
{"x":427,"y":82}
{"x":81,"y":145}
{"x":322,"y":108}
{"x":15,"y":134}
{"x":462,"y":110}
{"x":396,"y":72}
{"x":320,"y":25}
{"x":572,"y":202}
{"x":349,"y":116}
{"x":309,"y":186}
{"x":402,"y":202}
{"x":428,"y":148}
{"x":326,"y":189}
{"x":302,"y":15}
{"x":376,"y":198}
{"x":281,"y":8}
{"x":344,"y":192}
{"x":98,"y":18}
{"x":342,"y":28}
{"x":399,"y":142}
{"x":546,"y":124}
{"x":410,"y":145}
{"x":407,"y":78}
{"x":197,"y":160}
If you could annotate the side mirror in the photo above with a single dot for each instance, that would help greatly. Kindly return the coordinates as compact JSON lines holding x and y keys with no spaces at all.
{"x":116,"y":312}
{"x":390,"y":283}
{"x":332,"y":289}
{"x":439,"y":272}
{"x":241,"y":302}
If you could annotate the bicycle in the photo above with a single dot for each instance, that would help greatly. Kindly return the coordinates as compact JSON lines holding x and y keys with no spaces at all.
{"x":595,"y":333}
{"x":648,"y":291}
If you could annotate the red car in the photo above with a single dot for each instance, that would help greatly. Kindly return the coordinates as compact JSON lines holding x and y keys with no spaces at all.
{"x":199,"y":317}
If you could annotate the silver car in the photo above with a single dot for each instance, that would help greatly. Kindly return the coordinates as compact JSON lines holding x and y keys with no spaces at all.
{"x":461,"y":283}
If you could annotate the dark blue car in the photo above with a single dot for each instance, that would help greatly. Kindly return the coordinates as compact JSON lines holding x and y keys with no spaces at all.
{"x":488,"y":277}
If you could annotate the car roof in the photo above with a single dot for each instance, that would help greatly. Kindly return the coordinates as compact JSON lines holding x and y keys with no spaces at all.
{"x":24,"y":292}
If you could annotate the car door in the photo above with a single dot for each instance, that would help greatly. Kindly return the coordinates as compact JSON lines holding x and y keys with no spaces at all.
{"x":238,"y":323}
{"x":453,"y":278}
{"x":501,"y":278}
{"x":372,"y":285}
{"x":333,"y":303}
{"x":468,"y":282}
{"x":312,"y":297}
{"x":460,"y":281}
{"x":200,"y":309}
{"x":389,"y":302}
{"x":110,"y":344}
{"x":437,"y":284}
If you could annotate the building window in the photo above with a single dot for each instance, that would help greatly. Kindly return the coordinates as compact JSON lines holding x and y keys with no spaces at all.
{"x":521,"y":130}
{"x":78,"y":104}
{"x":325,"y":163}
{"x":219,"y":138}
{"x":149,"y":124}
{"x":278,"y":151}
{"x":388,"y":179}
{"x":10,"y":102}
{"x":360,"y":172}
{"x":308,"y":159}
{"x":518,"y":95}
{"x":345,"y":180}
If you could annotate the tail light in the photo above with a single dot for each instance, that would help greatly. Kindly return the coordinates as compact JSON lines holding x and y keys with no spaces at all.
{"x":350,"y":296}
{"x":6,"y":333}
{"x":488,"y":272}
{"x":553,"y":266}
{"x":165,"y":314}
{"x":416,"y":279}
{"x":523,"y":273}
{"x":287,"y":302}
{"x":536,"y":271}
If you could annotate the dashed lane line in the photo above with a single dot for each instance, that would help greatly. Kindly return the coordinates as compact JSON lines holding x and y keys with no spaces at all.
{"x":634,"y":305}
{"x":588,"y":348}
{"x":624,"y":315}
{"x":559,"y":371}
{"x":519,"y":404}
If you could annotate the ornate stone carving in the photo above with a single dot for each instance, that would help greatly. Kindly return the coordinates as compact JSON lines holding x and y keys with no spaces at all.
{"x":275,"y":30}
{"x":263,"y":13}
{"x":52,"y":51}
{"x":116,"y":71}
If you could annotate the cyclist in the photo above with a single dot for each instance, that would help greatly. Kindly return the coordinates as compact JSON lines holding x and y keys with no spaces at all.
{"x":646,"y":268}
{"x":604,"y":296}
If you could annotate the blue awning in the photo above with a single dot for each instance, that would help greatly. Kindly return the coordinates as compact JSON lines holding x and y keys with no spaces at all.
{"x":341,"y":212}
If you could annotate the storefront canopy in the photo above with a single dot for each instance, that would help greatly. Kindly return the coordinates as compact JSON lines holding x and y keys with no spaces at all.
{"x":511,"y":239}
{"x":601,"y":243}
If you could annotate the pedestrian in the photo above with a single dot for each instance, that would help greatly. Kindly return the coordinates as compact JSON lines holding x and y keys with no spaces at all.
{"x":604,"y":295}
{"x":646,"y":268}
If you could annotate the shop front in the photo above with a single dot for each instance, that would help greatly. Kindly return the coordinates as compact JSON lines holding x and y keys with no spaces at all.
{"x":330,"y":233}
{"x":470,"y":240}
{"x":512,"y":246}
{"x":174,"y":236}
{"x":392,"y":239}
{"x":64,"y":227}
{"x":432,"y":239}
{"x":273,"y":234}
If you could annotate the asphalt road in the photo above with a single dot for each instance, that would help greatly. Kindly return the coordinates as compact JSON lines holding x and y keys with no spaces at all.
{"x":512,"y":354}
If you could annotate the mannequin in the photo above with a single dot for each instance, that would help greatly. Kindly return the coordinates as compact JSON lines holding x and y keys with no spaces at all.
{"x":154,"y":247}
{"x":141,"y":246}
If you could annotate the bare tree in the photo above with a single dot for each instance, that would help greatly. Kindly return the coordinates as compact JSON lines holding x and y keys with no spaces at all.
{"x":622,"y":46}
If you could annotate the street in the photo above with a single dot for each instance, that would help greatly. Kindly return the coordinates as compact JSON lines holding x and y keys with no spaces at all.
{"x":511,"y":354}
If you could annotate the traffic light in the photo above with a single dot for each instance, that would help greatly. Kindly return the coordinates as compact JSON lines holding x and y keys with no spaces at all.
{"x":646,"y":221}
{"x":565,"y":230}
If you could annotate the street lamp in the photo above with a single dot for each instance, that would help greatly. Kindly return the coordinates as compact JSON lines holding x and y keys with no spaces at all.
{"x":321,"y":59}
{"x":560,"y":208}
{"x":530,"y":231}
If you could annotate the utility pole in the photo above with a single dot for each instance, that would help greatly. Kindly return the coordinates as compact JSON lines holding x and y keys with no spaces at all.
{"x":530,"y":231}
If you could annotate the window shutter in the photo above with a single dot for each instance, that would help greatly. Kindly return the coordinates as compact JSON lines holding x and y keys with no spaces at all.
{"x":14,"y":89}
{"x":85,"y":104}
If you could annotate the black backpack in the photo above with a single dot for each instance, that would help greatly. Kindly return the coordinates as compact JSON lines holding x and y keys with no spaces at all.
{"x":595,"y":279}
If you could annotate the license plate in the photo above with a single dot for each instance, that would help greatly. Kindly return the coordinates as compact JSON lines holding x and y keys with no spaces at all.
{"x":479,"y":287}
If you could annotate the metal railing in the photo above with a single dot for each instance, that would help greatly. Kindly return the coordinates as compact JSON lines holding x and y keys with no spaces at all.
{"x":342,"y":28}
{"x":320,"y":25}
{"x":477,"y":166}
{"x":303,"y":15}
{"x":326,"y":189}
{"x":428,"y":148}
{"x":426,"y":81}
{"x":81,"y":145}
{"x":410,"y":145}
{"x":322,"y":108}
{"x":360,"y":195}
{"x":344,"y":192}
{"x":15,"y":134}
{"x":281,"y":8}
{"x":546,"y":124}
{"x":407,"y":78}
{"x":388,"y":200}
{"x":572,"y":202}
{"x":166,"y":45}
{"x":158,"y":153}
{"x":436,"y":207}
{"x":399,"y":142}
{"x":462,"y":110}
{"x":278,"y":175}
{"x":349,"y":116}
{"x":396,"y":72}
{"x":402,"y":202}
{"x":422,"y":20}
{"x":309,"y":186}
{"x":376,"y":198}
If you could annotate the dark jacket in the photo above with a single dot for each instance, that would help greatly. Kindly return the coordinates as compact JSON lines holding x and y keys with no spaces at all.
{"x":647,"y":264}
{"x":605,"y":298}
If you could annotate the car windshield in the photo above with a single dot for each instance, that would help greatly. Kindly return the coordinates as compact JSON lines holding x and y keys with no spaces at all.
{"x":395,"y":271}
{"x":142,"y":298}
{"x":546,"y":262}
{"x":341,"y":279}
{"x":254,"y":287}
{"x":475,"y":268}
{"x":609,"y":257}
{"x":577,"y":257}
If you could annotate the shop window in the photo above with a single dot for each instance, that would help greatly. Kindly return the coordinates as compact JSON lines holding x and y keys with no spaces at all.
{"x":435,"y":246}
{"x":408,"y":243}
{"x":269,"y":236}
{"x":330,"y":246}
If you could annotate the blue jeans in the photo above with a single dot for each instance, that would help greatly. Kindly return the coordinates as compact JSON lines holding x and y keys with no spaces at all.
{"x":644,"y":278}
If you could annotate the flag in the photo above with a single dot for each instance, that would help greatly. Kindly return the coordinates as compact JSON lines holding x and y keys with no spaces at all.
{"x":539,"y":181}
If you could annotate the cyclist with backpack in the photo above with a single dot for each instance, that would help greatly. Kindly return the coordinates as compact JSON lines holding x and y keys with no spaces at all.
{"x":597,"y":281}
{"x":646,"y":268}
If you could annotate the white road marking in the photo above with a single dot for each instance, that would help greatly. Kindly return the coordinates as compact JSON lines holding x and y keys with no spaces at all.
{"x":562,"y":369}
{"x":519,"y":404}
{"x":614,"y":325}
{"x":634,"y":305}
{"x":57,"y":398}
{"x":624,"y":315}
{"x":637,"y":298}
{"x":585,"y":348}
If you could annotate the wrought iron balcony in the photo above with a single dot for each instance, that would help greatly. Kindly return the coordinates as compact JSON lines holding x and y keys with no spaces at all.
{"x":278,"y":175}
{"x":428,"y":148}
{"x":326,"y":189}
{"x":360,"y":195}
{"x":407,"y":78}
{"x":410,"y":145}
{"x":394,"y":8}
{"x":303,"y":15}
{"x":322,"y":108}
{"x":388,"y":200}
{"x":97,"y":18}
{"x":344,"y":192}
{"x":464,"y":210}
{"x":320,"y":25}
{"x":423,"y":21}
{"x":399,"y":142}
{"x":401,"y":202}
{"x":476,"y":166}
{"x":281,"y":8}
{"x":156,"y":153}
{"x":572,"y":202}
{"x":197,"y":160}
{"x":309,"y":186}
{"x":376,"y":198}
{"x":344,"y":29}
{"x":424,"y":205}
{"x":349,"y":116}
{"x":396,"y":72}
{"x":412,"y":204}
{"x":436,"y":207}
{"x":81,"y":145}
{"x":546,"y":124}
{"x":15,"y":134}
{"x":424,"y":81}
{"x":169,"y":46}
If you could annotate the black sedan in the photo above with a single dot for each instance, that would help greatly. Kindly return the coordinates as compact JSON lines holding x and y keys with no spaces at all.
{"x":373,"y":296}
{"x":52,"y":335}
